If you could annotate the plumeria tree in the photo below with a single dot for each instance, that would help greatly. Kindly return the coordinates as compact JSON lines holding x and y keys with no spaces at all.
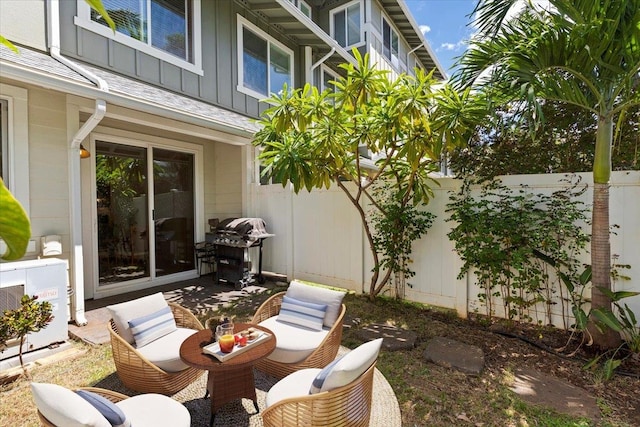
{"x":581,"y":52}
{"x":314,"y":140}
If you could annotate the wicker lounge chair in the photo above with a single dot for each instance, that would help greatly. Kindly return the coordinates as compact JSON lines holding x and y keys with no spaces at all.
{"x":321,"y":355}
{"x":138,"y":373}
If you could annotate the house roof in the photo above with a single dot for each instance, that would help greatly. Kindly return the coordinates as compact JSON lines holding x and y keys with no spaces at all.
{"x":41,"y":69}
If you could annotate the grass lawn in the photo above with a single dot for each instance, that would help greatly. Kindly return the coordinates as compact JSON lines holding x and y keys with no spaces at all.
{"x":429,"y":395}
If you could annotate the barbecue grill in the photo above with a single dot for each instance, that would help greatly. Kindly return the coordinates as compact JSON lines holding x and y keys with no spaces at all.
{"x":232,"y":239}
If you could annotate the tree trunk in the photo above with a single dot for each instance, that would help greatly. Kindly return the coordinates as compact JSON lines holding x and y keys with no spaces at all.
{"x":600,"y":238}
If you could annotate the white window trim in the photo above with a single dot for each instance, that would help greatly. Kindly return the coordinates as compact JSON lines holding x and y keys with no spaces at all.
{"x":83,"y":20}
{"x":401,"y":66}
{"x":332,"y":12}
{"x":17,"y":142}
{"x":242,"y":23}
{"x":325,"y":69}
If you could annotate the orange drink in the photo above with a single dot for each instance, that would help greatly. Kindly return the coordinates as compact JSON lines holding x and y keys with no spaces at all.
{"x":226,"y":343}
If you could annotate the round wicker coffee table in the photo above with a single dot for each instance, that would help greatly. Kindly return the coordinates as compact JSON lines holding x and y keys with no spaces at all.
{"x":233,"y":378}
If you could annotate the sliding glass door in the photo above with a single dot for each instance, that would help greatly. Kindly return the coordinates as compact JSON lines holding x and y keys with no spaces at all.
{"x":126,"y":229}
{"x":173,"y":211}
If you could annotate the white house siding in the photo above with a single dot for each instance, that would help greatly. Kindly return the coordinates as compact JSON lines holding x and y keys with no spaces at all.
{"x":48,"y":167}
{"x":24,"y":22}
{"x":323,"y":241}
{"x":227,"y":181}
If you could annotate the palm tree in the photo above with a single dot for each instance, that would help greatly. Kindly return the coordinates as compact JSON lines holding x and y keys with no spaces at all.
{"x":581,"y":52}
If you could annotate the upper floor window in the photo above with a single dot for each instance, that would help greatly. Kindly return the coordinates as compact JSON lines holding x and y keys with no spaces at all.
{"x":303,"y":6}
{"x":264,"y":64}
{"x":167,"y":29}
{"x":346,"y":24}
{"x":390,"y":44}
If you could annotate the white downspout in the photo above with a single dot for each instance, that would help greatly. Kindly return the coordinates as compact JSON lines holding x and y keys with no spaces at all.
{"x":75,"y":193}
{"x":321,"y":61}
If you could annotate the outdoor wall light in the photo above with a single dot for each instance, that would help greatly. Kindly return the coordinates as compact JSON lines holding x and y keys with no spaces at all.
{"x":84,"y":153}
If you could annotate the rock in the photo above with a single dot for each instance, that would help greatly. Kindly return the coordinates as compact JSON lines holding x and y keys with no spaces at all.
{"x":453,"y":354}
{"x":393,"y":338}
{"x":542,"y":389}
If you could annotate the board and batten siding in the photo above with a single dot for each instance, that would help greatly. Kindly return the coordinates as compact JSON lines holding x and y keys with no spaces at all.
{"x":217,"y":85}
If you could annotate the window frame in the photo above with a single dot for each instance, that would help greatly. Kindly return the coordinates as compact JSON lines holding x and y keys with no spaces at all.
{"x":392,"y":31}
{"x":243,"y":23}
{"x":17,"y":143}
{"x":335,"y":76}
{"x":344,"y":8}
{"x":83,"y":20}
{"x":300,"y":4}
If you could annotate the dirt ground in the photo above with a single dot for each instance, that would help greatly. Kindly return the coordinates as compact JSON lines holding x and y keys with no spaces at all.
{"x":556,"y":352}
{"x":434,"y":396}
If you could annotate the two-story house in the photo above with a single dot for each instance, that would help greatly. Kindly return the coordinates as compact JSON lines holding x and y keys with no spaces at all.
{"x":122,"y":145}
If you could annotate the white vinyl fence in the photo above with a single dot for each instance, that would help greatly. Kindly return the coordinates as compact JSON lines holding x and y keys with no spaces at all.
{"x":319,"y":238}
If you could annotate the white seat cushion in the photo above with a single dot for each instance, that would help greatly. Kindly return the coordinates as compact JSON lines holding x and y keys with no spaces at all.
{"x":317,"y":295}
{"x":126,"y":311}
{"x":155,"y":410}
{"x":63,"y":407}
{"x":293,"y":385}
{"x":165,"y":352}
{"x":293,"y":343}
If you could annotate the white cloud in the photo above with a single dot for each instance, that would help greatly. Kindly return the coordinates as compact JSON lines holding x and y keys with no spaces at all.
{"x":462,"y":44}
{"x":425,"y":29}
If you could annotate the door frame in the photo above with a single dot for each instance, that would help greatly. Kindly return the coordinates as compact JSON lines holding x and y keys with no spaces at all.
{"x":89,"y":209}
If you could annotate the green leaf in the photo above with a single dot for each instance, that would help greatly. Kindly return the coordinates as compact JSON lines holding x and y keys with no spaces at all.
{"x":607,"y":318}
{"x":617,"y":296}
{"x":99,"y":7}
{"x":15,"y":229}
{"x":8,"y":44}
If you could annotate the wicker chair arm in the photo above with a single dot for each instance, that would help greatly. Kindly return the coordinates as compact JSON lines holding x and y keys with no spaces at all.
{"x":326,"y":351}
{"x":111,"y":395}
{"x":349,"y":405}
{"x":185,"y":318}
{"x":269,"y":308}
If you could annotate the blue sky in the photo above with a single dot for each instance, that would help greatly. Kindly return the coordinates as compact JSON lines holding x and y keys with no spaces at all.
{"x":444,"y":25}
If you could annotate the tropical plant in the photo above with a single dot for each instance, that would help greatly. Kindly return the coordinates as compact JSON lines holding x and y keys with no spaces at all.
{"x":581,"y":52}
{"x":511,"y":239}
{"x":15,"y":228}
{"x":565,"y":144}
{"x":396,"y":226}
{"x":31,"y":316}
{"x":312,"y":139}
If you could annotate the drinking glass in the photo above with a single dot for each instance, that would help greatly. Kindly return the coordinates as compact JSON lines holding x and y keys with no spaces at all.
{"x":225,"y":338}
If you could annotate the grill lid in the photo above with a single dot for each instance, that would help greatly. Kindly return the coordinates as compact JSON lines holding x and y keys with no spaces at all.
{"x":241,"y":231}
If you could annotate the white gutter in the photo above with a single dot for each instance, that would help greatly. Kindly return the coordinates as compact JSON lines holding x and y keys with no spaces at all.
{"x":75,"y":191}
{"x":324,"y":58}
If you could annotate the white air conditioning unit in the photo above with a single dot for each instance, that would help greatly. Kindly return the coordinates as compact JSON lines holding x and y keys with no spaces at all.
{"x":46,"y":278}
